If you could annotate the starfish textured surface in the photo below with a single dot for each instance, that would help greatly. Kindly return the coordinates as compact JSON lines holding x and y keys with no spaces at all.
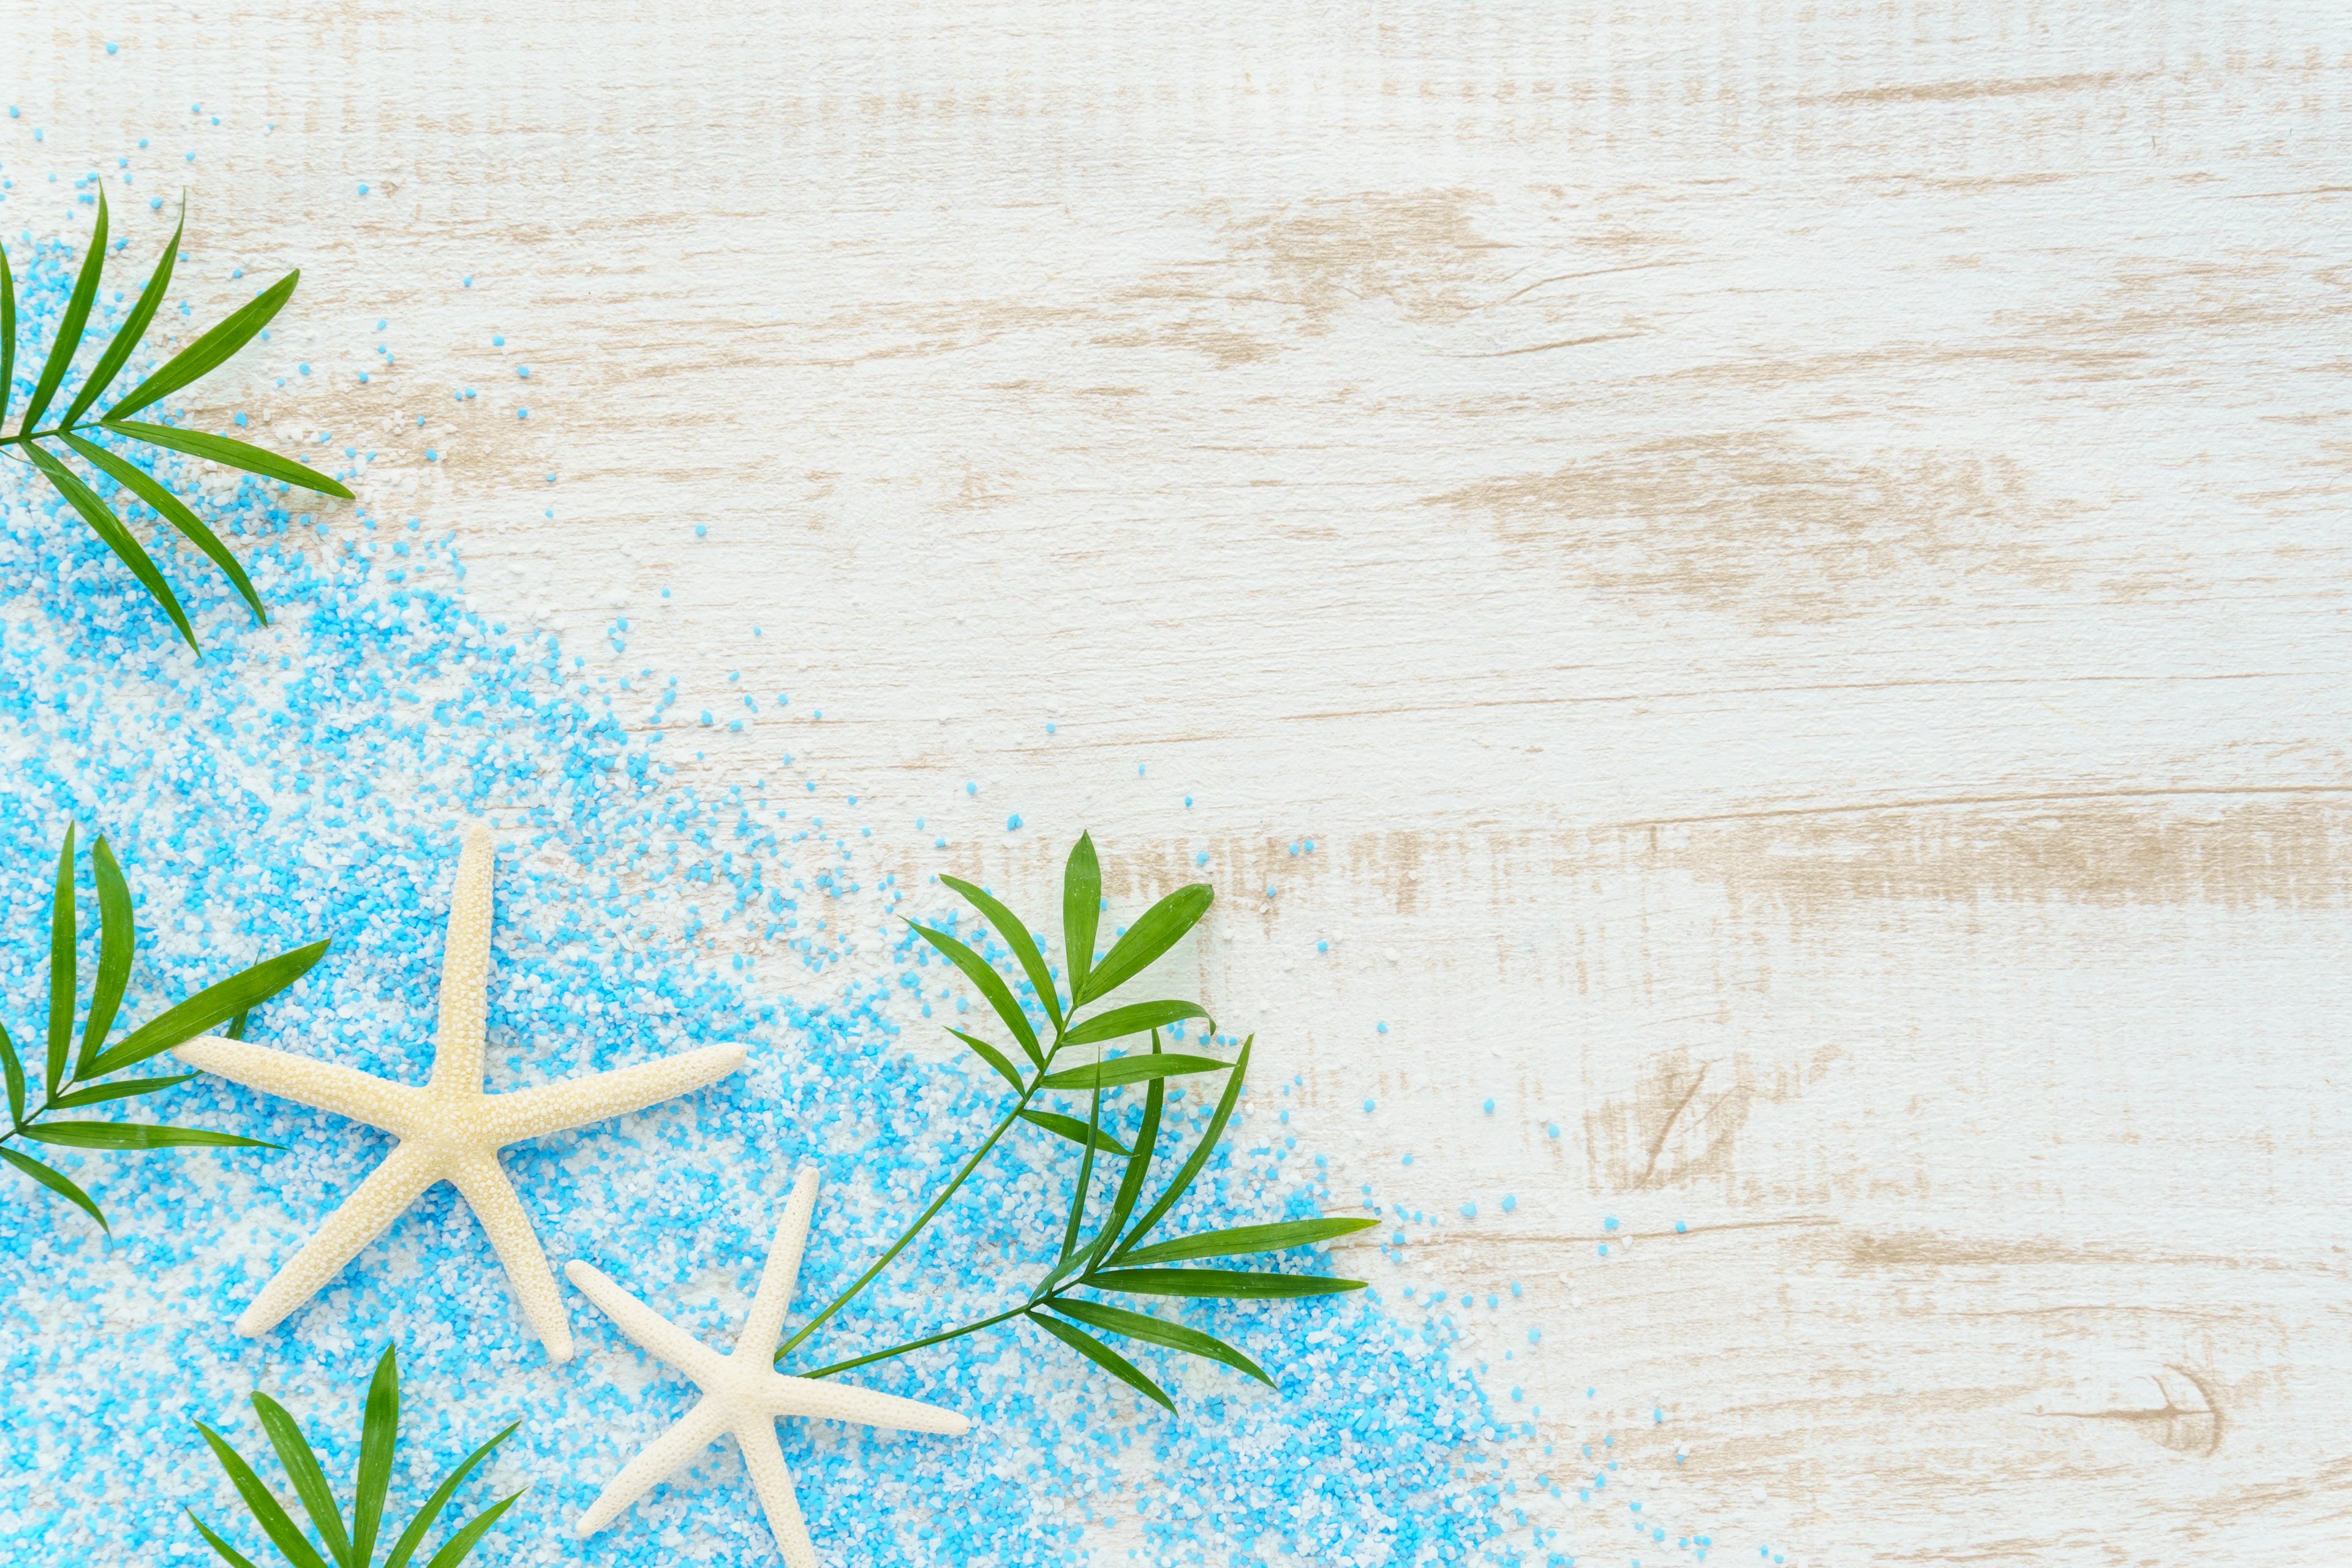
{"x":450,"y":1130}
{"x":742,"y":1393}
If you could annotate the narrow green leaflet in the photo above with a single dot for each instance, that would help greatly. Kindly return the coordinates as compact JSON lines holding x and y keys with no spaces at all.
{"x":1103,"y":1356}
{"x":229,"y":452}
{"x":1129,"y":1069}
{"x":453,"y":1551}
{"x":379,"y":1437}
{"x":135,"y":327}
{"x":113,"y":954}
{"x":266,"y":1510}
{"x":118,"y":943}
{"x":110,"y":528}
{"x":1159,"y":929}
{"x":318,"y":1499}
{"x":1100,"y":1260}
{"x":414,"y":1536}
{"x":99,"y":1094}
{"x":1016,"y":937}
{"x":63,"y":986}
{"x":1247,"y":1238}
{"x":61,"y":353}
{"x":1086,"y":1178}
{"x":134,"y":1135}
{"x":209,"y":352}
{"x":1071,"y":1128}
{"x":7,"y":335}
{"x":1218,"y":1284}
{"x":379,"y":1434}
{"x":990,"y":985}
{"x":229,"y":1554}
{"x":15,"y":1069}
{"x":992,"y":1056}
{"x":1081,"y":910}
{"x":1198,"y":1158}
{"x":1134,"y":1019}
{"x":1175,"y":1336}
{"x":191,"y":1017}
{"x":1139,"y":1164}
{"x":58,"y":1184}
{"x":174,"y":510}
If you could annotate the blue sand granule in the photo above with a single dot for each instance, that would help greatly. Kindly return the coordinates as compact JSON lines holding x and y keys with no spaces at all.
{"x":305,"y":780}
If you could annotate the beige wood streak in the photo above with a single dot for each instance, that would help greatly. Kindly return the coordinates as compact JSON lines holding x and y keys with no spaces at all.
{"x":1790,"y":558}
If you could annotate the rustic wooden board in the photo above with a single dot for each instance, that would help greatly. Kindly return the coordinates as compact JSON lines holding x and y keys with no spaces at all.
{"x":1788,"y":559}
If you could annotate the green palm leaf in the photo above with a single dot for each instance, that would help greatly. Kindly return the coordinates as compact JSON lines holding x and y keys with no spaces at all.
{"x":114,"y":946}
{"x":1247,"y":1238}
{"x":1129,"y":1069}
{"x":238,"y":994}
{"x":414,"y":1536}
{"x":379,"y":1434}
{"x":134,"y":1135}
{"x":209,"y":352}
{"x":110,"y":528}
{"x":61,"y":353}
{"x":174,"y":510}
{"x":302,"y":1468}
{"x":379,"y":1437}
{"x":1159,"y":1332}
{"x":229,"y":452}
{"x":1081,"y":910}
{"x":58,"y":1184}
{"x":992,"y":1056}
{"x":63,"y":986}
{"x":1103,"y":1356}
{"x":1071,"y":1128}
{"x":454,"y":1550}
{"x":134,"y":326}
{"x":266,"y":1510}
{"x":1162,"y":925}
{"x":1121,"y":1021}
{"x":1198,"y":1158}
{"x":229,"y":1554}
{"x":7,"y":335}
{"x":990,"y":985}
{"x":1016,"y":937}
{"x":1219,"y":1284}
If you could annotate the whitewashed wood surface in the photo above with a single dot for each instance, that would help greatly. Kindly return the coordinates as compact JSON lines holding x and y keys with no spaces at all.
{"x":1790,"y":558}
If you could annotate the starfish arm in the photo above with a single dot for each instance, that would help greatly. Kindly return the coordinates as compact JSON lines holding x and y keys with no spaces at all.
{"x":306,"y":1080}
{"x":674,"y":1449}
{"x":828,"y":1401}
{"x":772,"y":1479}
{"x":582,"y":1102}
{"x":466,"y":967}
{"x":374,"y":1205}
{"x":766,"y":1323}
{"x":661,"y":1338}
{"x":492,"y":1198}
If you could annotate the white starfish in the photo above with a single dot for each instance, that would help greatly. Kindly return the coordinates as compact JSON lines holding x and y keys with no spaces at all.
{"x":450,"y":1130}
{"x":742,"y":1393}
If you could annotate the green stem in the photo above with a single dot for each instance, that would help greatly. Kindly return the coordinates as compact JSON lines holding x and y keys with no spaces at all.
{"x":938,"y":1204}
{"x":971,"y":1328}
{"x":1086,"y":1171}
{"x":26,"y":438}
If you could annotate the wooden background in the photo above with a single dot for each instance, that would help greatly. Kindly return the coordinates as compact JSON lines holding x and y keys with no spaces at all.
{"x":1790,"y":559}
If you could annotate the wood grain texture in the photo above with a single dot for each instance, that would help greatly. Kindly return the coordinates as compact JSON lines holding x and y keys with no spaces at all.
{"x":1790,"y":559}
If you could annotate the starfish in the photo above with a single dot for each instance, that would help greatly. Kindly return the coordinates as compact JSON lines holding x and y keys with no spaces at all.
{"x":742,"y":1393}
{"x":449,"y":1131}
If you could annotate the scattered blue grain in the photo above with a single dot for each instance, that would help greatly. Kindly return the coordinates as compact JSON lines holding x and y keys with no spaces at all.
{"x":304,"y":782}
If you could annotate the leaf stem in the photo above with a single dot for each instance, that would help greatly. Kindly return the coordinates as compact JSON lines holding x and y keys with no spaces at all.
{"x":971,"y":1328}
{"x":26,"y":438}
{"x":926,"y":1217}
